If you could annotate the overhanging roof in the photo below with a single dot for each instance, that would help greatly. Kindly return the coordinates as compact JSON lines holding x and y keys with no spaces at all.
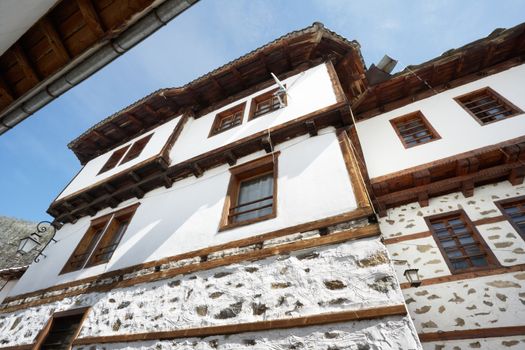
{"x":73,"y":40}
{"x":502,"y":49}
{"x":290,"y":52}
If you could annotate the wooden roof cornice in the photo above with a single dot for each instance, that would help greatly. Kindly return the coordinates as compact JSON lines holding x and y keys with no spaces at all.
{"x":460,"y":173}
{"x":501,"y":50}
{"x":70,"y":42}
{"x":284,"y":56}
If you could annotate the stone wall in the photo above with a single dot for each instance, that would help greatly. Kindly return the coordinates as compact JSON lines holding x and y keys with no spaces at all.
{"x":473,"y":303}
{"x":352,"y":275}
{"x":511,"y":343}
{"x":388,"y":334}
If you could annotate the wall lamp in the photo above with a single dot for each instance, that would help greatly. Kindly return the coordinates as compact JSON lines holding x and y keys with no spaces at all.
{"x":412,"y":275}
{"x":34,"y":240}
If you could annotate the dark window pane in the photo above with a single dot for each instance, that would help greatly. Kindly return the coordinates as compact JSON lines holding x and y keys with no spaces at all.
{"x":255,"y":198}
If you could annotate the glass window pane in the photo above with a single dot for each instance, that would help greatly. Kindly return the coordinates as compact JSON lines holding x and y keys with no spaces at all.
{"x":460,"y":264}
{"x":255,"y":198}
{"x":479,"y":261}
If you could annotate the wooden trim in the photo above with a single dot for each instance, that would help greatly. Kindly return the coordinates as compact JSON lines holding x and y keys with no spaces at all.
{"x":42,"y":335}
{"x":336,"y":84}
{"x":304,"y":321}
{"x":434,"y":135}
{"x":54,"y":40}
{"x":426,"y":93}
{"x":255,"y":168}
{"x":500,"y":204}
{"x":177,"y":130}
{"x":241,"y":107}
{"x":264,"y":96}
{"x":481,"y":175}
{"x":468,"y":275}
{"x":474,"y":334}
{"x":410,"y":237}
{"x":490,"y":220}
{"x":94,"y":225}
{"x":488,"y":91}
{"x":91,"y":18}
{"x":492,"y":261}
{"x":18,"y":347}
{"x":308,"y":226}
{"x":353,"y":170}
{"x":468,"y":154}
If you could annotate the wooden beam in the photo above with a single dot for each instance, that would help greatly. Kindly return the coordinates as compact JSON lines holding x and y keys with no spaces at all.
{"x":473,"y":334}
{"x":196,"y":170}
{"x":517,"y":175}
{"x":231,"y":158}
{"x":135,"y":120}
{"x":266,"y":143}
{"x":91,"y":17}
{"x":134,"y":176}
{"x":311,"y":127}
{"x":6,"y":91}
{"x":54,"y":40}
{"x":238,"y":76}
{"x":24,"y":63}
{"x":468,"y":275}
{"x":266,"y":325}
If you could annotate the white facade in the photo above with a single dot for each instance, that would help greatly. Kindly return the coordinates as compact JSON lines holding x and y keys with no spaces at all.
{"x":186,"y":217}
{"x":385,"y":154}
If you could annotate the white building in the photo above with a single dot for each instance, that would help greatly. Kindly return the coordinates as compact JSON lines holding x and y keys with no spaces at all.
{"x":220,"y":215}
{"x":444,"y":146}
{"x":230,"y":214}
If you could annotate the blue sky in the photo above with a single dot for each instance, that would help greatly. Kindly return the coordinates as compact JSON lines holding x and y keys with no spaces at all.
{"x":36,"y":163}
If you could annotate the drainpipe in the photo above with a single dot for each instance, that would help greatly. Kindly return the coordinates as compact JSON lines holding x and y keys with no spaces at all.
{"x":137,"y":32}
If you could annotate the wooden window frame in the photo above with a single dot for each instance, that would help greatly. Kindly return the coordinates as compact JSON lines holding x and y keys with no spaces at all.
{"x":509,"y":202}
{"x":224,"y":114}
{"x":247,"y":171}
{"x":488,"y":90}
{"x":114,"y":160}
{"x":417,"y":114}
{"x":262,"y":97}
{"x":142,"y":143}
{"x":123,"y":154}
{"x":42,"y":335}
{"x":492,"y":261}
{"x":91,"y":243}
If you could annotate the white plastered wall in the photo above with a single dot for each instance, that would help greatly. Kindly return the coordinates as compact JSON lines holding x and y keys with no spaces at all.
{"x":89,"y":176}
{"x":313,"y":183}
{"x":307,"y":92}
{"x":459,"y":131}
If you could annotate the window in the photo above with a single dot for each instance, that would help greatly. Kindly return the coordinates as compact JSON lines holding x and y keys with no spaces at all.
{"x":136,"y":149}
{"x":100,"y":241}
{"x":514,"y":210}
{"x":252,"y":193}
{"x":414,"y":129}
{"x":487,"y":106}
{"x":459,"y":242}
{"x":61,"y":330}
{"x":266,"y":103}
{"x":227,"y":119}
{"x":114,"y":159}
{"x":125,"y":154}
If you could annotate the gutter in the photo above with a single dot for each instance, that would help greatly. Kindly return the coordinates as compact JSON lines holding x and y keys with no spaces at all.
{"x":45,"y":93}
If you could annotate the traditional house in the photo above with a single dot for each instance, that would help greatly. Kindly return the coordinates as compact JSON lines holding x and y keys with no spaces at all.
{"x":239,"y":211}
{"x":444,"y":148}
{"x":225,"y":214}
